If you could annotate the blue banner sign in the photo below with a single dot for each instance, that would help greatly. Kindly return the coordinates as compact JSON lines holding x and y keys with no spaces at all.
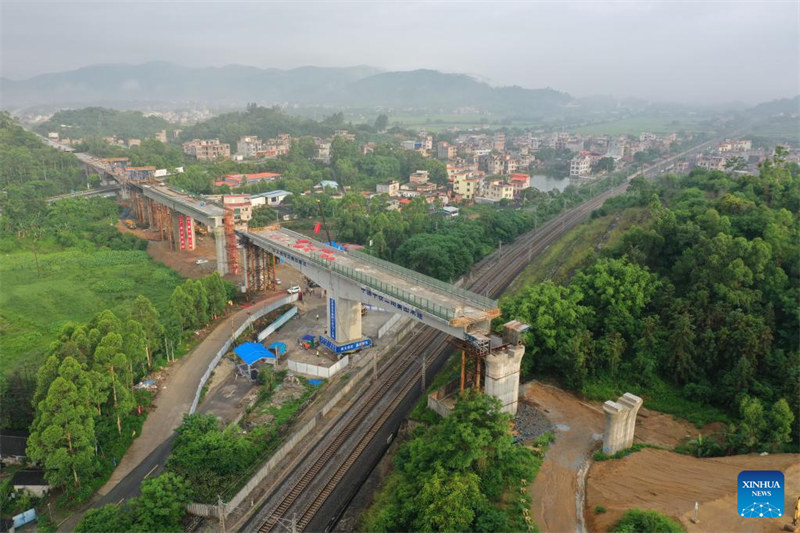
{"x":397,"y":305}
{"x":332,"y":315}
{"x":350,"y":346}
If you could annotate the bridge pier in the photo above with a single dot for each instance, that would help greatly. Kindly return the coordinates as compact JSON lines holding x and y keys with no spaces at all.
{"x":182,"y":231}
{"x":344,"y":320}
{"x":222,"y":255}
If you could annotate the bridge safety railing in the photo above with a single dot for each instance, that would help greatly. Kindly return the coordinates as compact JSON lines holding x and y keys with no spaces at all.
{"x":481,"y":302}
{"x":420,"y":303}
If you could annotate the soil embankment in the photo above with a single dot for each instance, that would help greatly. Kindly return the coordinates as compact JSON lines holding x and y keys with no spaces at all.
{"x":579,"y":432}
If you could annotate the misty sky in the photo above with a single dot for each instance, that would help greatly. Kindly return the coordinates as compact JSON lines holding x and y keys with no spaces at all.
{"x":669,"y":51}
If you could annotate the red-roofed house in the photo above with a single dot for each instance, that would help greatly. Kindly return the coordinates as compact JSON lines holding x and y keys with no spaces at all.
{"x":238,"y":180}
{"x":520,"y":182}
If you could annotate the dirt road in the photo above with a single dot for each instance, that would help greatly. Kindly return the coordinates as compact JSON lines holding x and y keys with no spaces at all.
{"x":579,"y":432}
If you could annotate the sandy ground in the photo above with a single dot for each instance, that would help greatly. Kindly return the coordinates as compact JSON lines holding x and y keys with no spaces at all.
{"x":670,"y":483}
{"x":579,"y":432}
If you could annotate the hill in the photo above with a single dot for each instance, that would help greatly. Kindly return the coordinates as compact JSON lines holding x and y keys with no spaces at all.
{"x":102,"y":122}
{"x":166,"y":83}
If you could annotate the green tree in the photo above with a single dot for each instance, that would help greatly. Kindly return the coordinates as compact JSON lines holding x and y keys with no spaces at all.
{"x":62,"y":437}
{"x":181,"y":307}
{"x":604,"y":164}
{"x":750,"y":431}
{"x":448,"y":502}
{"x":779,"y":426}
{"x":146,"y":315}
{"x":216,"y":294}
{"x":197,"y":292}
{"x":381,"y":123}
{"x":162,"y":504}
{"x":555,"y":315}
{"x":134,"y":345}
{"x":109,"y":518}
{"x":618,"y":291}
{"x":635,"y":521}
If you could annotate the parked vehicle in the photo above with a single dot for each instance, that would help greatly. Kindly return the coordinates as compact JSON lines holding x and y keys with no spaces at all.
{"x":294,"y":289}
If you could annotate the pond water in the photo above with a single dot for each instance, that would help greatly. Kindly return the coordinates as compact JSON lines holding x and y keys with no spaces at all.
{"x":546,"y":183}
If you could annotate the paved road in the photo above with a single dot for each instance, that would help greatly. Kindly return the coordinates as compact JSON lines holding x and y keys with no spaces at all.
{"x":148,"y":453}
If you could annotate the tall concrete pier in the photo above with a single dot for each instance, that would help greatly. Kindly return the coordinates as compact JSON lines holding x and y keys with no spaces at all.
{"x":620,"y":423}
{"x":502,"y":376}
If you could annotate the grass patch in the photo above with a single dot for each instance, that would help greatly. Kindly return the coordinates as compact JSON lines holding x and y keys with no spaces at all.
{"x":661,"y":396}
{"x":74,"y":286}
{"x":645,"y":123}
{"x":639,"y":446}
{"x":578,"y":248}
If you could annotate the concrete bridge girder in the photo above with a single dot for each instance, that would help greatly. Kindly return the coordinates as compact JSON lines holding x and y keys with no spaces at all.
{"x":348,"y":290}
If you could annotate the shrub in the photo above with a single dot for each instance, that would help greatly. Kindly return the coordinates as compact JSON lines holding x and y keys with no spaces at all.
{"x":636,"y":521}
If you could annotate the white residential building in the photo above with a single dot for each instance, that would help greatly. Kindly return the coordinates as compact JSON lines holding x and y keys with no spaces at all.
{"x":580,"y":166}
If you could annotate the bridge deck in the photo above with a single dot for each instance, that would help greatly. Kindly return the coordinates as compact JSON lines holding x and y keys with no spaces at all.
{"x":200,"y":205}
{"x":457,"y":306}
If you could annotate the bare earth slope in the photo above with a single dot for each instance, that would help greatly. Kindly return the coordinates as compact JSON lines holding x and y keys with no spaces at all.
{"x":670,"y":483}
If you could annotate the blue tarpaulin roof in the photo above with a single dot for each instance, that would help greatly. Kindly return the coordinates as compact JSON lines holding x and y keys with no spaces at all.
{"x":278,"y":347}
{"x":308,"y":338}
{"x":316,"y":382}
{"x":250,"y":352}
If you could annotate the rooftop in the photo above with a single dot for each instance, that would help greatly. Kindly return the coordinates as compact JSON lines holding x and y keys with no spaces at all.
{"x":30,"y":478}
{"x":271,"y":194}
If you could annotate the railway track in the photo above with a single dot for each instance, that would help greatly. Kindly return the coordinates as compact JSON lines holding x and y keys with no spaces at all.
{"x":400,"y":374}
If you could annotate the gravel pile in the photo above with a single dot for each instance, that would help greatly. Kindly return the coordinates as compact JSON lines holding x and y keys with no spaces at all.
{"x":531,"y":422}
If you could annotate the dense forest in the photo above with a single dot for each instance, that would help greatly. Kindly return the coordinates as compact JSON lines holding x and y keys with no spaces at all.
{"x":264,"y":123}
{"x":702,"y":300}
{"x":31,"y":170}
{"x":103,"y":122}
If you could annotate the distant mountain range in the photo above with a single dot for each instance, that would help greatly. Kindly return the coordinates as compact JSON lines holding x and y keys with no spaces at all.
{"x":362,"y":86}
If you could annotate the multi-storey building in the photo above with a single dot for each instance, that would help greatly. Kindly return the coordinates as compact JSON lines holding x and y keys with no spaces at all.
{"x":392,"y":188}
{"x":580,"y":165}
{"x":207,"y":149}
{"x":445,"y":151}
{"x":499,"y":190}
{"x":467,"y":188}
{"x":520,"y":182}
{"x":420,"y":176}
{"x":249,"y":146}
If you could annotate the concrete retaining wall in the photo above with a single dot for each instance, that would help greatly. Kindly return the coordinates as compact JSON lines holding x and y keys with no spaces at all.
{"x":386,"y":327}
{"x":214,"y":362}
{"x":272,"y":328}
{"x":319,"y":371}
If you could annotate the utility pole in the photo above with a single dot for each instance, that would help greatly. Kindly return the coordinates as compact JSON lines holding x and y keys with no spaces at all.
{"x":374,"y":365}
{"x":221,"y":511}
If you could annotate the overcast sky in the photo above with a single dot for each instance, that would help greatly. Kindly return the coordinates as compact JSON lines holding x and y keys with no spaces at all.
{"x":669,"y":51}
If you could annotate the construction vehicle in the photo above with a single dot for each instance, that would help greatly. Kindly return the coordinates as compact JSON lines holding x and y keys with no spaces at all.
{"x":129,"y":223}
